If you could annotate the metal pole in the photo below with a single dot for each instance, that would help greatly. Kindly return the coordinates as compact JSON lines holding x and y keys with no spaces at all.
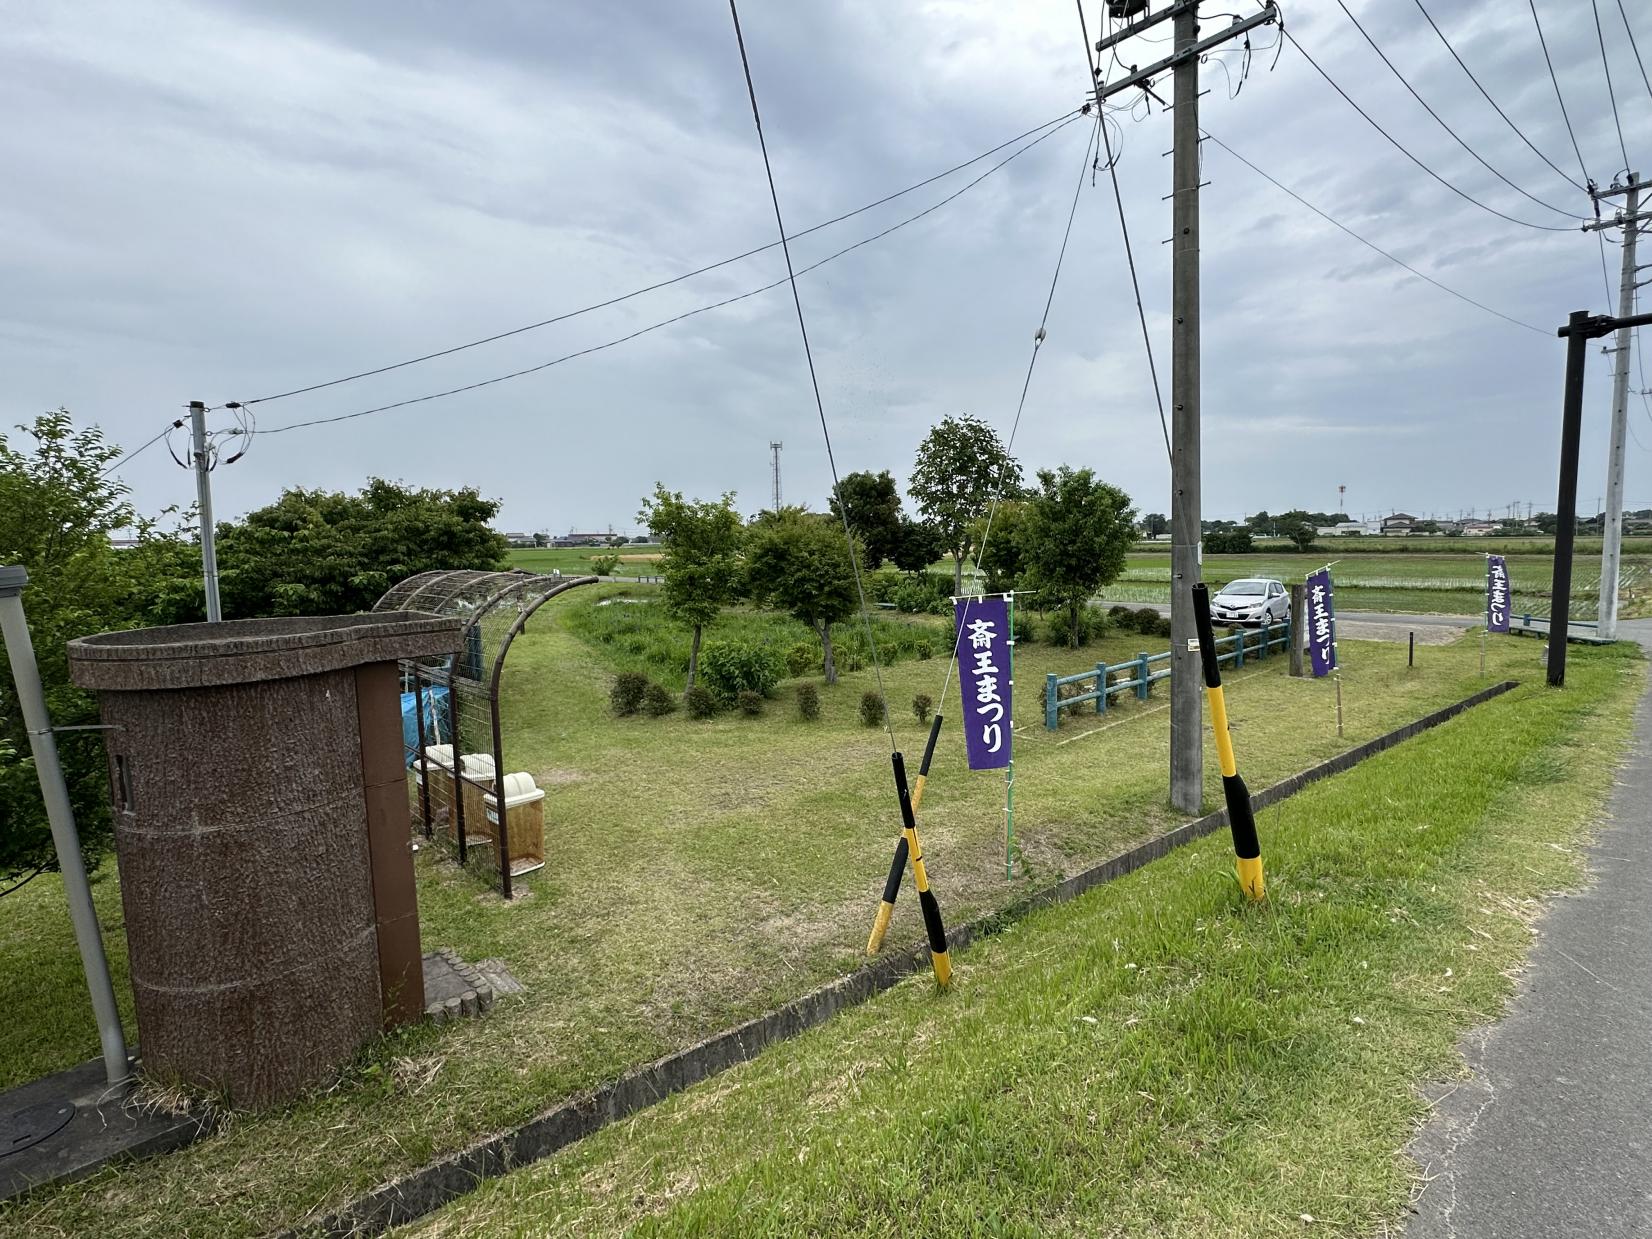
{"x":1571,"y":426}
{"x":1613,"y":540}
{"x":1186,"y":736}
{"x":1009,"y":770}
{"x":203,"y":495}
{"x":1298,"y":626}
{"x":14,"y":628}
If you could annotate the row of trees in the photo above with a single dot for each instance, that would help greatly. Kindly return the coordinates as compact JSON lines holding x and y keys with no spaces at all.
{"x":1063,"y":539}
{"x":309,"y":553}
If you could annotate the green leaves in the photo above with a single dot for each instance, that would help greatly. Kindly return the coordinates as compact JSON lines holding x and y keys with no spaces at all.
{"x":961,"y":468}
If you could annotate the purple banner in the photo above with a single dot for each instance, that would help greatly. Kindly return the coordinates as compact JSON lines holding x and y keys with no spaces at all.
{"x":1322,"y":623}
{"x":984,"y":677}
{"x":1497,"y":594}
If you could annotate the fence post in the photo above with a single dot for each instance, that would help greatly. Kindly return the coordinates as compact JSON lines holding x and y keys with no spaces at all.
{"x":1238,"y":648}
{"x":1267,"y":635}
{"x":1101,"y":688}
{"x":1052,"y":694}
{"x":1298,"y":627}
{"x":1143,"y":670}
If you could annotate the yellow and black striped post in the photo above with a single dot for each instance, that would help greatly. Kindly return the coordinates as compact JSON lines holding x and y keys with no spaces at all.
{"x":1241,"y":819}
{"x":897,"y":867}
{"x":926,"y":898}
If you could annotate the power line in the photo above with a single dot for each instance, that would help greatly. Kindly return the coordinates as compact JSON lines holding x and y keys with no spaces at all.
{"x":1445,"y":288}
{"x":1441,"y":120}
{"x":128,"y":457}
{"x":1393,"y":141}
{"x":1559,"y":98}
{"x":1634,"y":47}
{"x":1520,"y":132}
{"x":1124,"y":228}
{"x":1611,"y":94}
{"x":677,"y":318}
{"x":655,"y":287}
{"x":814,"y":380}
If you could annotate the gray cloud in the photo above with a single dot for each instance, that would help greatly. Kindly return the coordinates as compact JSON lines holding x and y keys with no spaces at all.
{"x":218,"y":201}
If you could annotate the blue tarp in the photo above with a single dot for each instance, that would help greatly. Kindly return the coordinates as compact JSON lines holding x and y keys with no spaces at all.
{"x":438,"y":727}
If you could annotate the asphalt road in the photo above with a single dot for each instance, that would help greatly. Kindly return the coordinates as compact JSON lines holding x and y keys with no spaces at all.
{"x":1371,"y":617}
{"x":1552,"y":1135}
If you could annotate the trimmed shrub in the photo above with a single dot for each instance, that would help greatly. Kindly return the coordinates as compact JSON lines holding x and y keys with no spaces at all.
{"x":699,"y":702}
{"x":1146,"y":621}
{"x":922,"y":705}
{"x":808,"y":702}
{"x":924,"y":651}
{"x":1026,"y":629}
{"x":605,"y":565}
{"x":802,"y":658}
{"x":729,"y":668}
{"x":627,"y":694}
{"x":871,"y":708}
{"x":1061,"y":632}
{"x":1117,"y":612}
{"x":1163,"y":629}
{"x":658,"y":701}
{"x":750,"y":703}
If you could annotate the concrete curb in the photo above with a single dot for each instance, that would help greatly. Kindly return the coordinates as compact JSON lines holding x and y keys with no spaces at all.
{"x":427,"y":1189}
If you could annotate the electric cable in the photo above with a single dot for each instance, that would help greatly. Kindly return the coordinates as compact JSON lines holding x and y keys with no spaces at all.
{"x":667,"y":283}
{"x":1393,"y":141}
{"x":677,"y":318}
{"x":1559,"y":98}
{"x":1611,"y":94}
{"x":1520,"y":133}
{"x":1394,"y":69}
{"x":1634,"y":47}
{"x":1372,"y":245}
{"x":814,"y":381}
{"x":126,"y":457}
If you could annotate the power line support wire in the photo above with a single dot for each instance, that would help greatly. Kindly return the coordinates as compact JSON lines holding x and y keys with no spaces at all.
{"x":814,"y":380}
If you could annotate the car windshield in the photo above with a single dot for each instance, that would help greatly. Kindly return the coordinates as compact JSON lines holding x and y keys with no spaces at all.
{"x":1258,"y":588}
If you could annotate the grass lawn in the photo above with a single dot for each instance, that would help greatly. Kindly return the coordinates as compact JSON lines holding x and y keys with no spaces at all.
{"x":636,"y":559}
{"x":1155,"y":1057}
{"x":699,"y":873}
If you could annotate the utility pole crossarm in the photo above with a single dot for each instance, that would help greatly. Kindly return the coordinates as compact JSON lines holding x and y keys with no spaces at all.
{"x":1138,"y":77}
{"x":1146,"y":23}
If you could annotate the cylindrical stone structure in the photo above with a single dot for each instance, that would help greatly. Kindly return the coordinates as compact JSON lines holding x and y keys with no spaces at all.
{"x":262,"y":833}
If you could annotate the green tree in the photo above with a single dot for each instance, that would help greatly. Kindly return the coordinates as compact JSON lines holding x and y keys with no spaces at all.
{"x":798,"y":561}
{"x":321,"y":553}
{"x":701,"y":566}
{"x":1002,"y":552}
{"x":919,"y":546}
{"x":1074,"y":539}
{"x":874,"y":506}
{"x":1155,"y":525}
{"x":961,"y":467}
{"x":57,"y":514}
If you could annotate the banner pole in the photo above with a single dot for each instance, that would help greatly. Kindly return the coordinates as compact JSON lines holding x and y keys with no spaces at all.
{"x":1338,"y":678}
{"x":1009,"y":770}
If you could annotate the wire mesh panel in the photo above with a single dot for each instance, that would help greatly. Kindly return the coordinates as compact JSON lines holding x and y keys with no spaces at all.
{"x":459,"y":760}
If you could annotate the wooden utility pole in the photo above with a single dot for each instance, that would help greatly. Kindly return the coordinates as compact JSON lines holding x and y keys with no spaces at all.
{"x":1186,"y":527}
{"x":1612,"y":530}
{"x":1187,"y":746}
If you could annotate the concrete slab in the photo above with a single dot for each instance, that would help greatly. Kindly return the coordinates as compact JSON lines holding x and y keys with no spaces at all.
{"x":107,"y":1123}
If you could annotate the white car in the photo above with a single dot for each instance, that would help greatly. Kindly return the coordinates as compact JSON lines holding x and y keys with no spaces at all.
{"x":1253,"y":600}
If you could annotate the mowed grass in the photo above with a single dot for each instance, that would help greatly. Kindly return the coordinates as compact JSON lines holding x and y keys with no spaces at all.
{"x":636,"y":559}
{"x":698,"y":874}
{"x":1156,"y":1057}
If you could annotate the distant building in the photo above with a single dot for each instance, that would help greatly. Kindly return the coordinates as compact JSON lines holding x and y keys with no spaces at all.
{"x":519,"y":539}
{"x":581,"y":539}
{"x":1478,"y":529}
{"x":1398,"y":522}
{"x":1345,"y":528}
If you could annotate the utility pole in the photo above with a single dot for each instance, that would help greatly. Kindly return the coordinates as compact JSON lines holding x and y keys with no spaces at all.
{"x":1186,"y":528}
{"x":1612,"y":532}
{"x":774,"y":451}
{"x":203,"y":495}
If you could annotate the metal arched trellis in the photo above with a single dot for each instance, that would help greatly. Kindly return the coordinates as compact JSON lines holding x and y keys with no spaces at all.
{"x":496,"y":607}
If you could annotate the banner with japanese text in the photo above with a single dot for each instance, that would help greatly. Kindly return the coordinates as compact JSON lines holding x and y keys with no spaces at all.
{"x":984,"y":678}
{"x":1497,"y":594}
{"x":1322,"y":623}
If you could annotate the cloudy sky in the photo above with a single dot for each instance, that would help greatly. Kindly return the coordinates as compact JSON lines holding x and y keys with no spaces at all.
{"x":226,"y":201}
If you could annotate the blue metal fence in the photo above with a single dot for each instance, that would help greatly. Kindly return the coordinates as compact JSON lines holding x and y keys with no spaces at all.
{"x":1139,"y":674}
